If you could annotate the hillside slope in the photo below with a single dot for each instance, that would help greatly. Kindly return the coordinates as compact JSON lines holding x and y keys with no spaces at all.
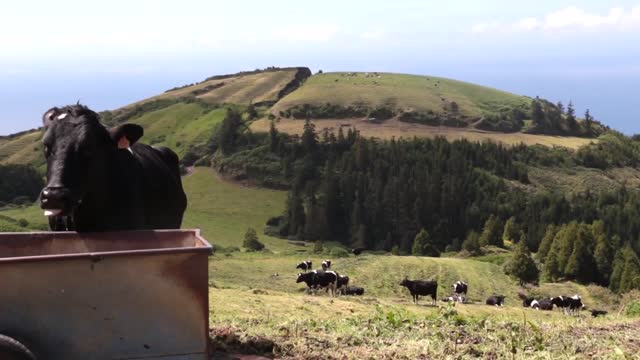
{"x":402,"y":91}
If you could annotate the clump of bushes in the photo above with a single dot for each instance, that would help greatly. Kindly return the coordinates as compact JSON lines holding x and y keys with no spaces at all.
{"x":251,"y":241}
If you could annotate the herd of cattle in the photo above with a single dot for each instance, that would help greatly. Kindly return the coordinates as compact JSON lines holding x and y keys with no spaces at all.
{"x":330,"y":280}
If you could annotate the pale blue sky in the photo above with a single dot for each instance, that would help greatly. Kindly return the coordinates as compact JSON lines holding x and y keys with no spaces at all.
{"x":112,"y":53}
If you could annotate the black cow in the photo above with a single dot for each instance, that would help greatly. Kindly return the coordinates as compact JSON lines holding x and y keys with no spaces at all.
{"x":421,"y":287}
{"x":352,"y":290}
{"x":318,"y":279}
{"x":596,"y":313}
{"x":546,"y":305}
{"x":101,"y":179}
{"x":460,"y":290}
{"x":357,"y":251}
{"x":326,"y":265}
{"x":305,"y":266}
{"x":496,"y":300}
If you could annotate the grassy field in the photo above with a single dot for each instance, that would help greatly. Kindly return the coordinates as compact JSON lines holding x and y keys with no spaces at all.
{"x":397,"y":129}
{"x":251,"y":310}
{"x":224,"y":210}
{"x":179,"y":126}
{"x":241,"y":89}
{"x":403,"y":91}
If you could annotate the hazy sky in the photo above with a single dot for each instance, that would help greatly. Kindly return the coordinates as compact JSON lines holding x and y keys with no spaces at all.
{"x":111,"y":53}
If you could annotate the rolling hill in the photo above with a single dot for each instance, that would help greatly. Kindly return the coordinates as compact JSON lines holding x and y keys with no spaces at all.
{"x":402,"y":91}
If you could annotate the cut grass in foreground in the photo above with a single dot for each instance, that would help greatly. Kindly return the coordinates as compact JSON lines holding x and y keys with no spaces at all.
{"x":307,"y":327}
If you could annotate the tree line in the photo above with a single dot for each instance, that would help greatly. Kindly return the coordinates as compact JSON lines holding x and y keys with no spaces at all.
{"x":426,"y":196}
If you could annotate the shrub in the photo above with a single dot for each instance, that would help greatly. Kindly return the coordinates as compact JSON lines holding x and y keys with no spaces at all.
{"x":251,"y":241}
{"x":339,"y":253}
{"x":23,"y":222}
{"x":632,"y":309}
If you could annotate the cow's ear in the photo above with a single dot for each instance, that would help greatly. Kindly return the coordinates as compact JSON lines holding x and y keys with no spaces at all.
{"x":129,"y":132}
{"x":49,"y":116}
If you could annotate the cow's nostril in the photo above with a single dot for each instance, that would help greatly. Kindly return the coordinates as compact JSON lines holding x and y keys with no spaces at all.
{"x":45,"y":193}
{"x":45,"y":200}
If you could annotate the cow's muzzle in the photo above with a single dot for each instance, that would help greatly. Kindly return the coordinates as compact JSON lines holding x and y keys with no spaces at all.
{"x":56,"y":201}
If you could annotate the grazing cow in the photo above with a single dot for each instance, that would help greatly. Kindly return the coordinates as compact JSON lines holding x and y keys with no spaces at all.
{"x":357,"y":251}
{"x":305,"y":266}
{"x":546,"y":305}
{"x":352,"y":290}
{"x":318,"y":279}
{"x":574,"y":304}
{"x":101,"y":179}
{"x":596,"y":313}
{"x":460,"y":290}
{"x":343,"y":281}
{"x":570,"y":304}
{"x":496,"y":300}
{"x":421,"y":287}
{"x":326,"y":265}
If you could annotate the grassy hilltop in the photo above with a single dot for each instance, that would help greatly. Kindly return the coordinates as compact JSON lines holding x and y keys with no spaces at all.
{"x":403,"y":91}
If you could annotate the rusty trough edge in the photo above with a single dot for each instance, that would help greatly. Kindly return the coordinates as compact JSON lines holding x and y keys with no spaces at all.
{"x":204,"y":248}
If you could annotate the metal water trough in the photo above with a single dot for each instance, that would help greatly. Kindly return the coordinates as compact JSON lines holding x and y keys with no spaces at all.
{"x":120,"y":295}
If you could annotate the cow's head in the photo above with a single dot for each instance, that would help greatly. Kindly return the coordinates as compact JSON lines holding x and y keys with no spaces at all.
{"x":405,"y":281}
{"x":301,"y":277}
{"x":77,"y":149}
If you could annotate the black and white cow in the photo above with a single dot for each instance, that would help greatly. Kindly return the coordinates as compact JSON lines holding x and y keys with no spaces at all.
{"x":343,"y":281}
{"x":527,"y":302}
{"x":421,"y":287}
{"x":570,"y":304}
{"x":318,"y":279}
{"x":352,"y":290}
{"x":545,"y":305}
{"x":496,"y":300}
{"x":460,"y":290}
{"x":305,"y":266}
{"x":326,"y":265}
{"x":101,"y":179}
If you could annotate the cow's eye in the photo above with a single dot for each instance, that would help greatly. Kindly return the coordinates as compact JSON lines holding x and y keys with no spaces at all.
{"x":47,"y":151}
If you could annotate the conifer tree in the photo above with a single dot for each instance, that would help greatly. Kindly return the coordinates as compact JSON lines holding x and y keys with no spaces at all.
{"x":423,"y":245}
{"x":603,"y":255}
{"x":472,"y":243}
{"x":521,"y":266}
{"x":580,"y":265}
{"x":630,"y":277}
{"x":546,"y":243}
{"x":511,"y":230}
{"x":492,"y":232}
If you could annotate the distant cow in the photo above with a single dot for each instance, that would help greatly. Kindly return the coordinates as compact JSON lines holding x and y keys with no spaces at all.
{"x":352,"y":290}
{"x":357,"y":251}
{"x":326,"y":265}
{"x":546,"y":305}
{"x":460,"y":289}
{"x":421,"y":287}
{"x":343,"y":281}
{"x":496,"y":300}
{"x":568,"y":303}
{"x":318,"y":279}
{"x":305,"y":266}
{"x":596,"y":313}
